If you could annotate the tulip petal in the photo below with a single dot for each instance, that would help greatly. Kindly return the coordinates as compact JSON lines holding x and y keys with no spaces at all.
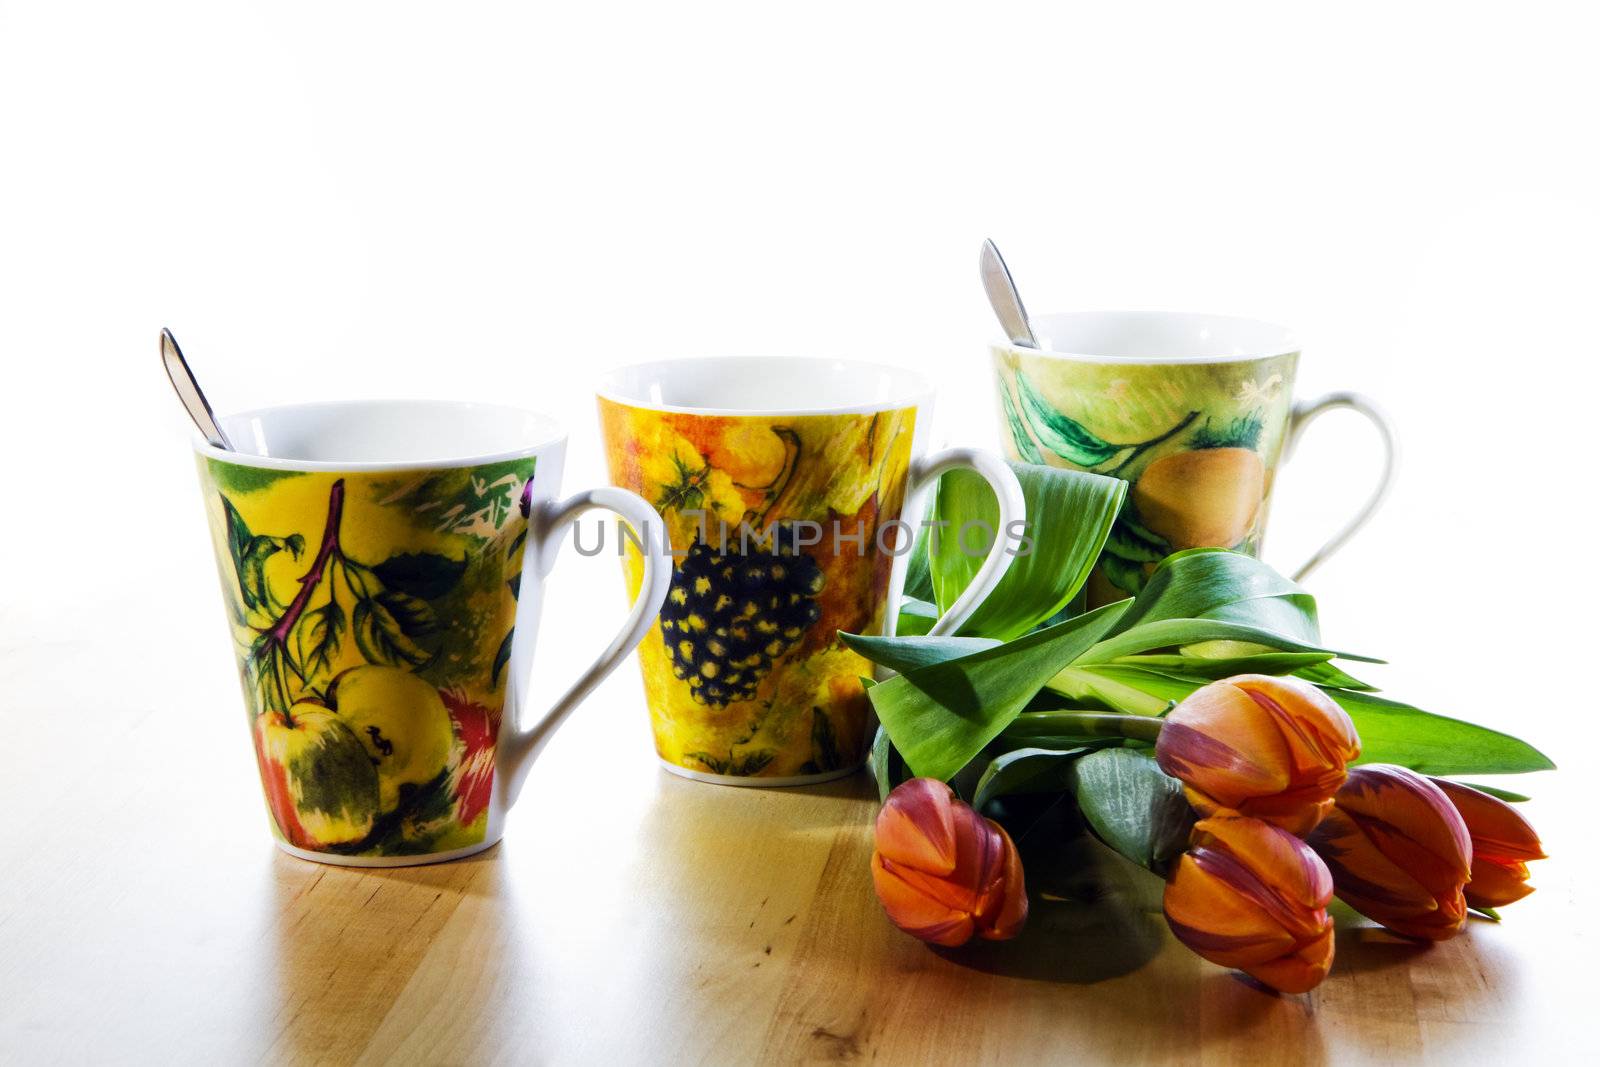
{"x":916,"y":826}
{"x":1250,"y":895}
{"x":1363,"y":876}
{"x":1301,"y":971}
{"x":1274,"y":749}
{"x":1496,"y":883}
{"x":1006,"y":919}
{"x":1411,"y":821}
{"x":942,"y":871}
{"x":1219,"y":741}
{"x":913,"y":910}
{"x":1497,"y":828}
{"x":1319,"y":734}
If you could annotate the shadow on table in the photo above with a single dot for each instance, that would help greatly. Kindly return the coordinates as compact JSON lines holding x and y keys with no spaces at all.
{"x":1092,"y":915}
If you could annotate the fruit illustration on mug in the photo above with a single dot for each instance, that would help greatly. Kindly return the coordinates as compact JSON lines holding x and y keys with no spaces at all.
{"x":775,"y":522}
{"x":322,"y":787}
{"x":374,"y":661}
{"x":1199,"y":480}
{"x":400,"y":721}
{"x":1203,"y":498}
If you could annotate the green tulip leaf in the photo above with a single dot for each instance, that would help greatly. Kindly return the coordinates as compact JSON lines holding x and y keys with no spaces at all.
{"x":1173,"y":633}
{"x":942,"y":715}
{"x":1132,"y":806}
{"x":1213,"y":583}
{"x":1027,"y":770}
{"x":1129,"y":690}
{"x":916,"y":617}
{"x":902,"y":654}
{"x":1070,"y":515}
{"x":888,"y":768}
{"x":1275,"y":663}
{"x":1392,"y":732}
{"x":1330,"y":677}
{"x":1498,"y":793}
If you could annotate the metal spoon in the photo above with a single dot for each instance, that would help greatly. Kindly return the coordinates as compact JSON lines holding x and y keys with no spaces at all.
{"x":1003,"y":297}
{"x":188,"y":390}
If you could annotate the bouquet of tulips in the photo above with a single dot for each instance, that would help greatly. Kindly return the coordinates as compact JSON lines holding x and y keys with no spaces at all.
{"x":1199,"y":729}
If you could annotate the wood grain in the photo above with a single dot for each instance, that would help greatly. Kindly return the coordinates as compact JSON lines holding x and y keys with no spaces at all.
{"x":634,"y":917}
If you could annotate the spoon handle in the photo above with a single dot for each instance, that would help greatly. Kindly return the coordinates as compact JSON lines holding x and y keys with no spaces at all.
{"x":188,"y":390}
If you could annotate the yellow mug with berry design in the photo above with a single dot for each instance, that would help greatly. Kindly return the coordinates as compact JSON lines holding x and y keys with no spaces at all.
{"x":383,"y":567}
{"x":781,"y":484}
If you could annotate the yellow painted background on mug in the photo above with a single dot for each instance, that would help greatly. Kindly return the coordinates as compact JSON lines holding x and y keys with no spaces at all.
{"x":808,"y":712}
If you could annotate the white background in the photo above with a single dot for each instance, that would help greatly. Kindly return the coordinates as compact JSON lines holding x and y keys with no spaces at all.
{"x":335,"y":200}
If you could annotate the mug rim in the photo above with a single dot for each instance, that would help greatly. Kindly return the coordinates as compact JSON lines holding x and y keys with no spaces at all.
{"x":919,"y":395}
{"x":1289,"y":346}
{"x":555,"y":433}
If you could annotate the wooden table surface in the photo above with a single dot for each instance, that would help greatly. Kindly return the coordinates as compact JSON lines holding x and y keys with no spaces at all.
{"x":634,"y":917}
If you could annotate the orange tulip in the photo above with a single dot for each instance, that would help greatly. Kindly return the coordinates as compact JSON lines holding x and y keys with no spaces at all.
{"x":942,"y":871}
{"x":1274,"y":749}
{"x":1502,"y":844}
{"x":1252,"y":896}
{"x":1399,"y":852}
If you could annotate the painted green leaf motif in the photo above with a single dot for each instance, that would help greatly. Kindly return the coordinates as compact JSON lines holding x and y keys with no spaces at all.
{"x":317,"y":637}
{"x":1127,"y":577}
{"x":415,"y":617}
{"x":238,"y":532}
{"x":253,"y":568}
{"x":1129,"y":542}
{"x":824,"y":745}
{"x":1132,"y":806}
{"x":1059,"y":433}
{"x":1026,"y":449}
{"x":381,"y":639}
{"x":501,"y":657}
{"x":421,"y":574}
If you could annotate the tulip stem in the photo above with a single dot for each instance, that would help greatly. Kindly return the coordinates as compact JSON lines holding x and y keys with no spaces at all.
{"x":1085,"y":724}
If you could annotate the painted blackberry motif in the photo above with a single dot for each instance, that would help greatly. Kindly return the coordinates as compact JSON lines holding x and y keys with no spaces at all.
{"x":729,"y":615}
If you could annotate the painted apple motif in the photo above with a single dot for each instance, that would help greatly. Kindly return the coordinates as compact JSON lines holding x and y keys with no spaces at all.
{"x":321,"y":785}
{"x":400,"y":722}
{"x":1203,"y":498}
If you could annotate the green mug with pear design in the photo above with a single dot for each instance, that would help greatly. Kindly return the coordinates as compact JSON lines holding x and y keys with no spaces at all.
{"x":1195,"y":412}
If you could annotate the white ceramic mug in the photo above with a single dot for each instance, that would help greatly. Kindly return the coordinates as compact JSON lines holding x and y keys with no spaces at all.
{"x":383,"y":567}
{"x":746,"y":678}
{"x":1195,"y":411}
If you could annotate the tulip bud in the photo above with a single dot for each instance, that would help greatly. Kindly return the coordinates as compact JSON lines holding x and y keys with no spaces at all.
{"x":1274,"y":749}
{"x":1250,"y":895}
{"x":1399,"y":852}
{"x":1502,"y":844}
{"x":942,"y":871}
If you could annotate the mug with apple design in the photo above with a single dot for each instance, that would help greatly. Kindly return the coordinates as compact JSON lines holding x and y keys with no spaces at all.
{"x":1195,"y":412}
{"x":382,"y":565}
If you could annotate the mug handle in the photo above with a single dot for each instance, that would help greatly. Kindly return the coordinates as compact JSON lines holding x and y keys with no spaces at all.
{"x":1302,"y":417}
{"x":1008,"y":493}
{"x":547,"y":528}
